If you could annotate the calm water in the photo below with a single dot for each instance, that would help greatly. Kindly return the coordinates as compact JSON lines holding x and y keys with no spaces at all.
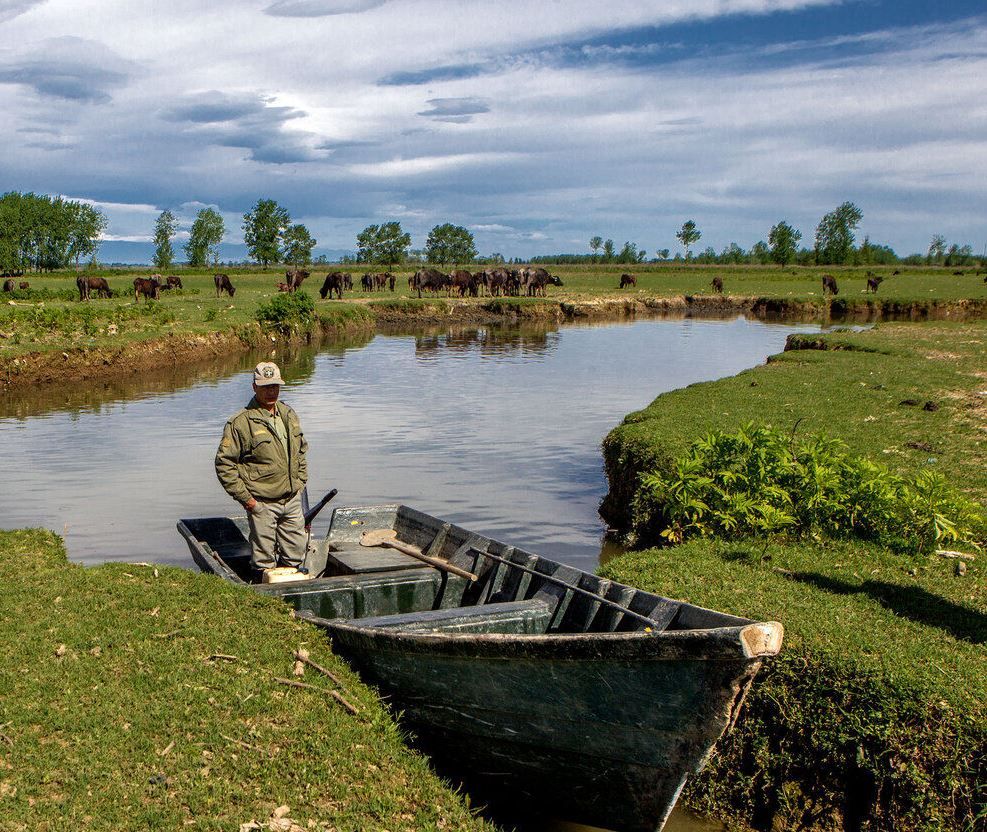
{"x":497,"y":429}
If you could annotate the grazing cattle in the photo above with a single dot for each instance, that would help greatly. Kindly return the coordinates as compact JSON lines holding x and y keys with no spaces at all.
{"x":390,"y":281}
{"x":284,"y":287}
{"x":896,"y":271}
{"x":717,"y":284}
{"x":294,"y":278}
{"x":367,"y":282}
{"x":8,"y":285}
{"x":431,"y":280}
{"x":462,"y":281}
{"x":88,"y":285}
{"x":512,"y":286}
{"x":537,"y":279}
{"x":829,"y":285}
{"x":24,"y":285}
{"x":149,"y":287}
{"x":873,"y":283}
{"x":627,"y":280}
{"x":173,"y":280}
{"x":334,"y":282}
{"x":223,"y":284}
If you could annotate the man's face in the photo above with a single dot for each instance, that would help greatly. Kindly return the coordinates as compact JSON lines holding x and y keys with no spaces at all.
{"x":267,"y":394}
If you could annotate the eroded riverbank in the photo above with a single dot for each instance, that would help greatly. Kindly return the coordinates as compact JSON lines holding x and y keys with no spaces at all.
{"x":106,"y":360}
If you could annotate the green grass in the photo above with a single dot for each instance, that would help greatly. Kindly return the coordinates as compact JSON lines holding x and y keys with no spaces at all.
{"x":197,"y":310}
{"x":876,"y":711}
{"x":113,"y":716}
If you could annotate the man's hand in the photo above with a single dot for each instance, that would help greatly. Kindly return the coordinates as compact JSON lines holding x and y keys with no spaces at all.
{"x":250,"y":505}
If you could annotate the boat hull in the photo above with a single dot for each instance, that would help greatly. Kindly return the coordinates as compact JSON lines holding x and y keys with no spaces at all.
{"x":604,"y":741}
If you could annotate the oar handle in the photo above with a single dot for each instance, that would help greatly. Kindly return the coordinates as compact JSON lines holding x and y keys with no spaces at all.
{"x":312,"y":512}
{"x":438,"y":563}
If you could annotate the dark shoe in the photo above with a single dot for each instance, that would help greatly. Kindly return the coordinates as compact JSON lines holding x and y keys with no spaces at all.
{"x":302,"y":570}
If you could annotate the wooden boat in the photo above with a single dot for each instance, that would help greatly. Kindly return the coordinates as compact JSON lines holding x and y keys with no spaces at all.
{"x":575,"y":696}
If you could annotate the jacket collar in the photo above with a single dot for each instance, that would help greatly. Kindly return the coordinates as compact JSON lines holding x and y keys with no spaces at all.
{"x":255,"y":410}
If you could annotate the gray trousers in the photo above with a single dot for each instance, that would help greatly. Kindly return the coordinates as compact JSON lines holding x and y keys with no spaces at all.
{"x":277,"y":527}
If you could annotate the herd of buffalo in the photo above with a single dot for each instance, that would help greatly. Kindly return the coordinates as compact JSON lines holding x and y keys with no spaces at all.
{"x":495,"y":282}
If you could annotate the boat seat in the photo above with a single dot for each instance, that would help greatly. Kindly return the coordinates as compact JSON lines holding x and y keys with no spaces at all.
{"x":530,"y":617}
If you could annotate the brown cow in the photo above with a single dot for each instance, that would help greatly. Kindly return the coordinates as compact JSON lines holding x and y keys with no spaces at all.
{"x":334,"y":282}
{"x":431,"y":280}
{"x":873,"y":283}
{"x":295,"y":278}
{"x":627,"y":280}
{"x":88,"y":285}
{"x":8,"y":285}
{"x":537,"y":279}
{"x":223,"y":284}
{"x":174,"y":280}
{"x":829,"y":284}
{"x":24,"y":285}
{"x":149,"y":287}
{"x":717,"y":284}
{"x":462,"y":281}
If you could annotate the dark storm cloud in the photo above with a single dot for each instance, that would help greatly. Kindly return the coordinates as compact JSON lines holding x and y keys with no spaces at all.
{"x":456,"y":110}
{"x":456,"y":72}
{"x":320,"y":8}
{"x":248,"y":121}
{"x":71,"y":68}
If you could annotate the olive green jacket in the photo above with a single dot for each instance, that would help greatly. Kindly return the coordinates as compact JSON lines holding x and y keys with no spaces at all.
{"x":251,"y":460}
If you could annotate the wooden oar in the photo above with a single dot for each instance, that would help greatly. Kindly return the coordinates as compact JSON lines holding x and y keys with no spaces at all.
{"x":387,"y":537}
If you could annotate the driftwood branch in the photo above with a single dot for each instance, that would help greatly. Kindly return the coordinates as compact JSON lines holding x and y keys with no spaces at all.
{"x":302,"y":656}
{"x":223,"y":657}
{"x":949,"y":553}
{"x":332,"y":693}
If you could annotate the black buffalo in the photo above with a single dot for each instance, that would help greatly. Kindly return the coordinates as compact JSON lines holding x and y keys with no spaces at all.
{"x":223,"y":284}
{"x":829,"y":284}
{"x":149,"y":287}
{"x":334,"y":282}
{"x":627,"y":280}
{"x":717,"y":284}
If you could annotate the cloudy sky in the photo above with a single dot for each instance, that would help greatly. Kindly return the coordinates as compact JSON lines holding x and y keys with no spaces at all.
{"x":535,"y":124}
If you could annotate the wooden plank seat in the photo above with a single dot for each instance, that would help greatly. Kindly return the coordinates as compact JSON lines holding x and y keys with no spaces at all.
{"x":530,"y":617}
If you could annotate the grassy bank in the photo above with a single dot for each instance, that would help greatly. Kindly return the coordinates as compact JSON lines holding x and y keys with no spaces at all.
{"x":875,"y":716}
{"x":48,"y":316}
{"x":136,"y":697}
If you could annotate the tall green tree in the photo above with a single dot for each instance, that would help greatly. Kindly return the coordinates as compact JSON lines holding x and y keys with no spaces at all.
{"x":834,"y":234}
{"x":298,"y":245}
{"x":663,"y":253}
{"x":937,"y":250}
{"x":383,"y":245}
{"x":205,"y":235}
{"x":609,"y":251}
{"x":87,"y":230}
{"x":628,"y":254}
{"x":263,"y":229}
{"x":165,"y":229}
{"x":595,"y":244}
{"x":450,"y":243}
{"x":784,"y":242}
{"x":688,"y":235}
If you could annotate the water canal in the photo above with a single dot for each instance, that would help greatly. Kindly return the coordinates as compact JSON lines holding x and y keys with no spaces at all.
{"x":495,"y":428}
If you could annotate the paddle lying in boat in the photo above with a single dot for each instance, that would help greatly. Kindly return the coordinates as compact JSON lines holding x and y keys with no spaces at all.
{"x":388,"y":538}
{"x":537,"y":684}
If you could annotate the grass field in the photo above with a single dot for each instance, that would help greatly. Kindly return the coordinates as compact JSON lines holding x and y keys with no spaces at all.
{"x":874,"y":715}
{"x":48,"y":316}
{"x":139,"y":697}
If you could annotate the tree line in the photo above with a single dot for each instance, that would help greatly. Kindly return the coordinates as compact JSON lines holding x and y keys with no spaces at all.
{"x":43,"y":233}
{"x":834,"y":244}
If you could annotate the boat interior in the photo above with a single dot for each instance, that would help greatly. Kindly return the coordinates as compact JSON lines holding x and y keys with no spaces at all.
{"x":515,"y":592}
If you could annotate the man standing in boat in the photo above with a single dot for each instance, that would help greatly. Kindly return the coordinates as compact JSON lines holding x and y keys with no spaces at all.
{"x":261,"y":464}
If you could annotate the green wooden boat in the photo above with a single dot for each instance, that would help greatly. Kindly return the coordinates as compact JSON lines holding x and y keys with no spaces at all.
{"x":571,"y":695}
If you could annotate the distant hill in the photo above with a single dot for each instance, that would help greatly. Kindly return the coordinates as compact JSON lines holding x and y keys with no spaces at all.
{"x":141,"y":254}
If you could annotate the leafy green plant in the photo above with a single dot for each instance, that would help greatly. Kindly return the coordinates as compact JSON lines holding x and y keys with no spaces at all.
{"x":287,"y":312}
{"x":759,"y":481}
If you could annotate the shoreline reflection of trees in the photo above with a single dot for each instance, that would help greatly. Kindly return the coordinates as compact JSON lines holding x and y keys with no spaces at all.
{"x":90,"y":395}
{"x":537,"y":339}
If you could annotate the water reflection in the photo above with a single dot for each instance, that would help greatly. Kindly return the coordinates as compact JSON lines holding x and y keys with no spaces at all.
{"x":495,"y":428}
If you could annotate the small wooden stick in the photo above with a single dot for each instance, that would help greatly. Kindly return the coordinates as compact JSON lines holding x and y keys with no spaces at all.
{"x":224,"y":657}
{"x":302,"y":656}
{"x":331,"y":693}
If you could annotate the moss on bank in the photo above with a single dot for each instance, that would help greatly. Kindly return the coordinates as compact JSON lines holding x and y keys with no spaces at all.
{"x":135,"y":697}
{"x":875,"y":715}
